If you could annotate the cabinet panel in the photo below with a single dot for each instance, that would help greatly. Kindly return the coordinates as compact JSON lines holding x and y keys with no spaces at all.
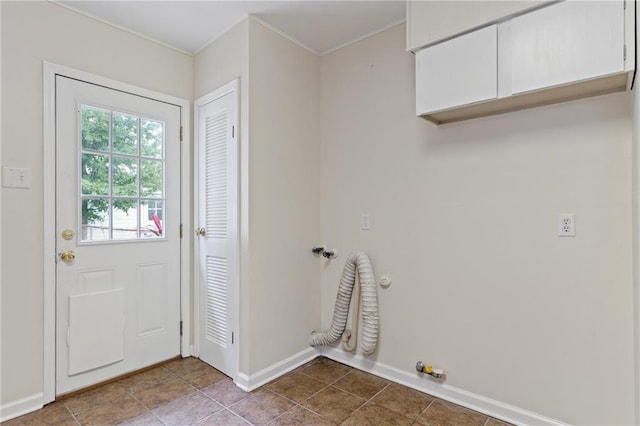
{"x":487,"y":11}
{"x":417,"y":28}
{"x":431,"y":21}
{"x":448,"y":18}
{"x":522,"y":5}
{"x":460,"y":71}
{"x":566,"y":42}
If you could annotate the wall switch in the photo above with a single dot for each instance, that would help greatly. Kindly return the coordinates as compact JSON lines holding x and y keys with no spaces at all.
{"x":13,"y":177}
{"x":365,"y":223}
{"x":567,"y":225}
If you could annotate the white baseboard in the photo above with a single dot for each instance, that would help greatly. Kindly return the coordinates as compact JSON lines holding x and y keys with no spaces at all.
{"x":249,"y":383}
{"x":19,"y":407}
{"x":488,"y":406}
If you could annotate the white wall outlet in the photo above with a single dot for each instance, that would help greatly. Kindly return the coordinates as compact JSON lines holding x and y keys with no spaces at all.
{"x":365,"y":222}
{"x":13,"y":177}
{"x":567,"y":225}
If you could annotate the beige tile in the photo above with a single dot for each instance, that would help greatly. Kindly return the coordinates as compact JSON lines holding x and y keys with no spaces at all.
{"x":300,"y":416}
{"x":363,"y":384}
{"x":442,"y":413}
{"x":296,"y":386}
{"x":403,"y":400}
{"x":164,"y":392}
{"x":203,"y":377}
{"x":52,"y":414}
{"x":146,"y":379}
{"x":224,"y":418}
{"x":326,"y":370}
{"x":333,"y":404}
{"x":106,"y":394}
{"x":184,"y":366}
{"x":225,"y":392}
{"x":261,"y":407}
{"x":146,"y":419}
{"x":187,"y":410}
{"x":374,"y":415}
{"x":111,"y":413}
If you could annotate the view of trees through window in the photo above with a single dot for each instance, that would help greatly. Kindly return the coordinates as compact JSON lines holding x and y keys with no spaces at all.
{"x":122,"y":175}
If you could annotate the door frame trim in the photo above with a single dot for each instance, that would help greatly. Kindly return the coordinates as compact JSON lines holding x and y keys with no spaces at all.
{"x":229,"y":87}
{"x":50,"y":71}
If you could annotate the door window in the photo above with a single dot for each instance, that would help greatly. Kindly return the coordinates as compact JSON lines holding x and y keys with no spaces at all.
{"x":121,"y":176}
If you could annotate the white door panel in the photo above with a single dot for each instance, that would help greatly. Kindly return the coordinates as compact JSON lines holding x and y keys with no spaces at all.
{"x":96,"y":330}
{"x":217,"y":185}
{"x":118,"y":192}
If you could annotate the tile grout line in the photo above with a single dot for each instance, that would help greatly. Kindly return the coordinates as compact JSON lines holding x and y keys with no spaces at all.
{"x":379,"y":392}
{"x":424,"y":411}
{"x":72,"y":415}
{"x":368,"y":400}
{"x":299,"y":404}
{"x":331,"y":385}
{"x":175,"y":376}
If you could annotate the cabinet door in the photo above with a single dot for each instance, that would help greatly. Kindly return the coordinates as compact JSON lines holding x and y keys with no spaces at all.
{"x":566,"y":42}
{"x":457,"y":72}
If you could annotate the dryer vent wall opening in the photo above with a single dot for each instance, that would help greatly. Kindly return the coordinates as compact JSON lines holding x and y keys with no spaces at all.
{"x":360,"y":262}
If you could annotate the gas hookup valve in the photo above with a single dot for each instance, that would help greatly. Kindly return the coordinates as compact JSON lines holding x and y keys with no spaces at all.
{"x":437,"y":373}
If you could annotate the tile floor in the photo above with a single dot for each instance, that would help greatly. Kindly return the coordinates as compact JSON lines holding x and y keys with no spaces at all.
{"x":188,"y":391}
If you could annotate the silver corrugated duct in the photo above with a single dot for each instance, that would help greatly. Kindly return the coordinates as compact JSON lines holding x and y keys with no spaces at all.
{"x":369,"y":302}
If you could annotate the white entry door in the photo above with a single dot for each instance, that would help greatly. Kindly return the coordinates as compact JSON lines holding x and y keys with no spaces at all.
{"x":217,"y":183}
{"x":117,"y":233}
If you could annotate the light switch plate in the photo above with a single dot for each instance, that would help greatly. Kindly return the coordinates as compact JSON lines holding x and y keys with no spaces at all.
{"x":14,"y":177}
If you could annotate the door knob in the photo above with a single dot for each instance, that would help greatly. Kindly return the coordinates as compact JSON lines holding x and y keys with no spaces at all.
{"x":67,"y":256}
{"x":201,"y":232}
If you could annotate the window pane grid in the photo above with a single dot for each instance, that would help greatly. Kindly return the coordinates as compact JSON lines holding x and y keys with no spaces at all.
{"x":122,"y":178}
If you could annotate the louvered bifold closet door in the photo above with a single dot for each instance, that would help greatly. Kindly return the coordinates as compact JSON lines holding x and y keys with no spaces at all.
{"x":217,"y":185}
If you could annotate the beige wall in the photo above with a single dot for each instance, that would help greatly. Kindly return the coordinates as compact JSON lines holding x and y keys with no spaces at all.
{"x":280,"y":186}
{"x":464,"y":219}
{"x":223,"y":60}
{"x":284,"y":164}
{"x":33,"y":32}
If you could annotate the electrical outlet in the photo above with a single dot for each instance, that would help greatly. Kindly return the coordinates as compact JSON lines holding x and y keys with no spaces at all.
{"x":567,"y":225}
{"x":365,"y":222}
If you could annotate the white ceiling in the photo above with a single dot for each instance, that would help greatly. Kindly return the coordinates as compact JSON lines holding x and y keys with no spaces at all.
{"x":189,"y":26}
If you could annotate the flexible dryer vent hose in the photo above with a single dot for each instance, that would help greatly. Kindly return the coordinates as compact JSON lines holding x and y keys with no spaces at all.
{"x":369,"y":305}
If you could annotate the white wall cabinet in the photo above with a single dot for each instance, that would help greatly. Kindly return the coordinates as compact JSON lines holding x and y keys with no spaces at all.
{"x":569,"y":41}
{"x":566,"y":50}
{"x":444,"y":77}
{"x":431,"y":21}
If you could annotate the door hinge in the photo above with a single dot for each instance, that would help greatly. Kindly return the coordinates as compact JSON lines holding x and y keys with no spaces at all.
{"x":233,"y":131}
{"x":180,"y":230}
{"x":180,"y":133}
{"x":181,"y":328}
{"x":232,"y":337}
